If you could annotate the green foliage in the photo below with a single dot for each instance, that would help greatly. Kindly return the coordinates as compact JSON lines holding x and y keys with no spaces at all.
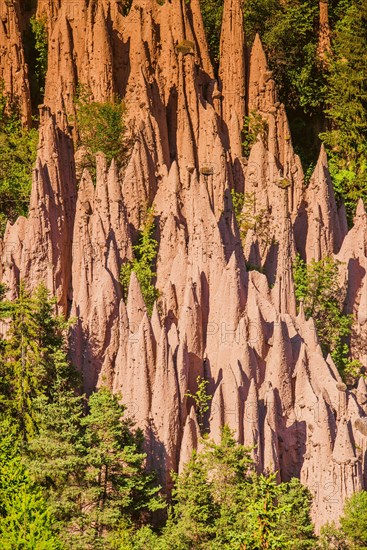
{"x":219,"y":502}
{"x":201,"y":398}
{"x":299,"y":533}
{"x":34,"y":359}
{"x":332,"y":538}
{"x":289,"y":33}
{"x":287,"y":30}
{"x":317,"y":286}
{"x":91,"y":467}
{"x":143,"y":263}
{"x":265,"y":510}
{"x":254,"y":126}
{"x":210,"y":494}
{"x":117,"y":483}
{"x":102,"y":129}
{"x":346,"y":98}
{"x":18,"y":147}
{"x":25,"y":517}
{"x":352,"y":534}
{"x":354,"y":521}
{"x":39,"y":30}
{"x":247,"y":219}
{"x":212,"y":12}
{"x":55,"y":456}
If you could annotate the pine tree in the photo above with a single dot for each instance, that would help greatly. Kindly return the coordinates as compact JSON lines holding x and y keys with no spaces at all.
{"x":24,"y":363}
{"x":297,"y":525}
{"x":210,"y":495}
{"x":55,"y":456}
{"x":26,"y":520}
{"x":34,"y":360}
{"x":143,"y":263}
{"x":347,"y":105}
{"x":354,"y":521}
{"x":118,"y":487}
{"x":220,"y":502}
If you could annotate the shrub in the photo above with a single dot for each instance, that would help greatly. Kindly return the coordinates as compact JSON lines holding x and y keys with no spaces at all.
{"x":244,"y":211}
{"x":346,"y":138}
{"x":185,"y":47}
{"x":317,"y":285}
{"x":143,"y":263}
{"x":18,"y":150}
{"x":352,"y":534}
{"x":253,"y":126}
{"x":101,"y":128}
{"x":212,"y":11}
{"x":39,"y":30}
{"x":354,"y":520}
{"x":201,"y":398}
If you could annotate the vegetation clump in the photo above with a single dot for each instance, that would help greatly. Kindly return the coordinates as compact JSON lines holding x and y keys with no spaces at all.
{"x":220,"y":502}
{"x":247,"y":219}
{"x":346,"y":100}
{"x":201,"y":399}
{"x":143,"y":263}
{"x":317,"y":286}
{"x":18,"y":149}
{"x":101,"y":128}
{"x":254,"y":126}
{"x":352,"y":533}
{"x":212,"y":11}
{"x":185,"y":47}
{"x":40,"y":36}
{"x":72,"y":471}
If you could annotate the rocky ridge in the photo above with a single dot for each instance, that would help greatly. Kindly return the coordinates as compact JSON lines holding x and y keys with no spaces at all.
{"x":214,"y":318}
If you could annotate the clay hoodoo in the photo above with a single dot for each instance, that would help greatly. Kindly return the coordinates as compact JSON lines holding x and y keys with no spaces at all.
{"x":13,"y":69}
{"x":232,"y":74}
{"x":214,"y":318}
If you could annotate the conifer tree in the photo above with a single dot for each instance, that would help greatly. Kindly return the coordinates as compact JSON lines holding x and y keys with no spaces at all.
{"x":24,"y":364}
{"x":35,"y":358}
{"x":118,"y":487}
{"x":26,"y":519}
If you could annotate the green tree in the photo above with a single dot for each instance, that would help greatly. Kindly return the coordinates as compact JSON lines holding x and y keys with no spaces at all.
{"x":220,"y":502}
{"x":209,"y":495}
{"x":354,"y":521}
{"x":25,"y":368}
{"x":26,"y":520}
{"x":35,"y":356}
{"x":264,"y":512}
{"x":101,"y":128}
{"x":143,"y":263}
{"x":299,"y":533}
{"x":194,"y":514}
{"x":56,"y":457}
{"x":18,"y":149}
{"x":202,"y":399}
{"x":118,"y":487}
{"x":212,"y":12}
{"x":92,"y":469}
{"x":39,"y":31}
{"x":317,"y":286}
{"x":347,"y":105}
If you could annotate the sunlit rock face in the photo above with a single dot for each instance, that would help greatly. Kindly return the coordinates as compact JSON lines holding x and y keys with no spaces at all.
{"x":237,"y":328}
